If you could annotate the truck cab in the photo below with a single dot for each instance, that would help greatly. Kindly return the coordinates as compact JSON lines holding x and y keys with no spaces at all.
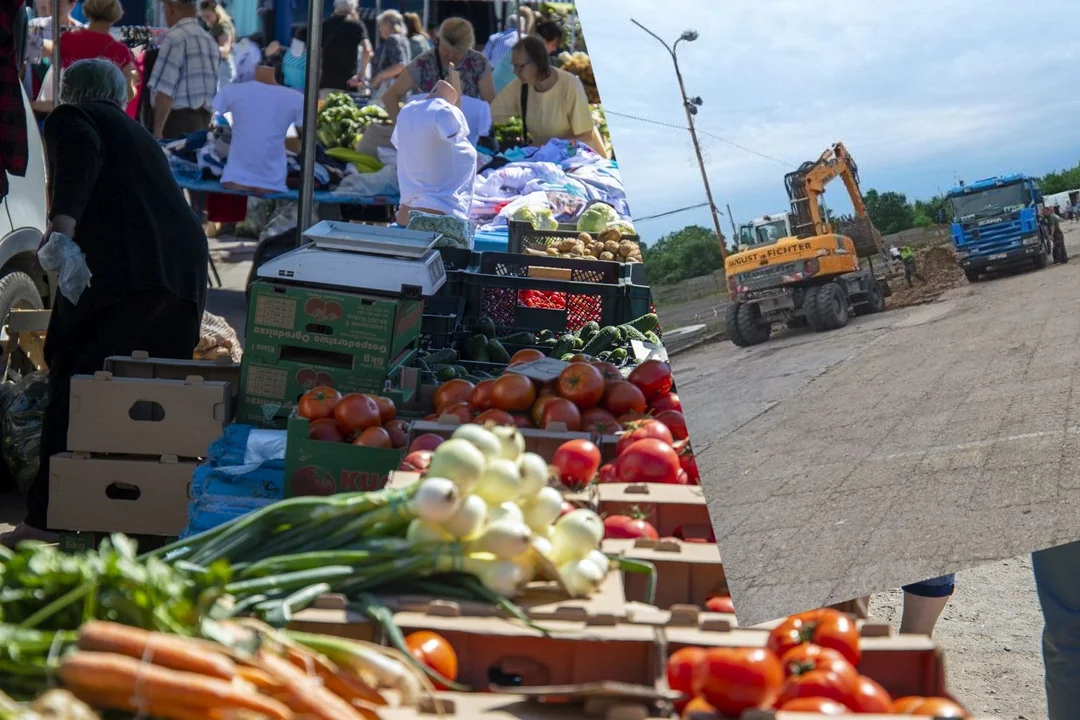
{"x":996,"y":225}
{"x":765,"y":230}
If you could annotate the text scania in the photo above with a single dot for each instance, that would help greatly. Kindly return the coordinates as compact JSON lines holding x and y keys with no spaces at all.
{"x":770,"y":253}
{"x":319,"y":339}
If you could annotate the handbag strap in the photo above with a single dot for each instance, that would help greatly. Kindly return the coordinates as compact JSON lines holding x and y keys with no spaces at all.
{"x":524,"y":112}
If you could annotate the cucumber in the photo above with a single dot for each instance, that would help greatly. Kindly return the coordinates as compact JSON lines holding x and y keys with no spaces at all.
{"x":482,"y":354}
{"x":550,"y":342}
{"x":618,"y":354}
{"x":646,"y":323}
{"x":653,"y":338}
{"x":588,"y":330}
{"x":497,"y":352}
{"x":522,"y":337}
{"x":445,"y":373}
{"x":604,"y":339}
{"x":566,"y":357}
{"x":632,"y":333}
{"x":441,"y":357}
{"x":565,"y":345}
{"x":485,"y":326}
{"x":460,"y":370}
{"x":578,"y":343}
{"x":545,"y":335}
{"x":603,"y":357}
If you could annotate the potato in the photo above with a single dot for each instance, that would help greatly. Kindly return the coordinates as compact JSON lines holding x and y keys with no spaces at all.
{"x":611,"y":234}
{"x":585,"y":238}
{"x":607,"y":256}
{"x":566,"y":245}
{"x":611,"y":246}
{"x":588,"y":257}
{"x":553,"y":251}
{"x":579,"y":248}
{"x":626,"y":247}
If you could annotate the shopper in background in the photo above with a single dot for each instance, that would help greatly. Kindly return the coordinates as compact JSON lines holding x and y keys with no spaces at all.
{"x":391,"y":55}
{"x":113,"y":194}
{"x":923,"y":604}
{"x":39,"y":49}
{"x":1055,"y":571}
{"x":502,"y":43}
{"x":551,"y":102}
{"x":185,"y":76}
{"x":223,"y":34}
{"x":344,"y":39}
{"x":294,"y":61}
{"x":95,"y":41}
{"x":419,"y":42}
{"x":547,"y":30}
{"x":454,"y":46}
{"x":211,"y":14}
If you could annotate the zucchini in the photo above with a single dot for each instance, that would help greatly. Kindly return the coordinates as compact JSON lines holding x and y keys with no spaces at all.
{"x":588,"y":330}
{"x":485,"y":326}
{"x":497,"y":353}
{"x":565,"y":345}
{"x":632,"y":333}
{"x":645,"y":323}
{"x":441,"y":357}
{"x":522,"y":337}
{"x":482,"y":354}
{"x":653,"y":338}
{"x":603,"y":340}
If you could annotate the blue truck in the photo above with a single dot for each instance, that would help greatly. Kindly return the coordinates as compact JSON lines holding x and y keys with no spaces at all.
{"x":996,"y":225}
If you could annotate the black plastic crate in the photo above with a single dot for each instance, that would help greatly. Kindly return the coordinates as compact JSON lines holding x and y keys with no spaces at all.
{"x":522,"y":236}
{"x":637,"y":302}
{"x":500,"y":289}
{"x":458,"y":258}
{"x":441,"y":320}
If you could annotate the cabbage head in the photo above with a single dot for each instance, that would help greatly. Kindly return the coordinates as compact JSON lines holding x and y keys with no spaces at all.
{"x":597,"y":218}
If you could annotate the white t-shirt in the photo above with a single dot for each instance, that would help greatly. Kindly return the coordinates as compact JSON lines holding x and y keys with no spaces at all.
{"x":261,"y":117}
{"x":436,"y":161}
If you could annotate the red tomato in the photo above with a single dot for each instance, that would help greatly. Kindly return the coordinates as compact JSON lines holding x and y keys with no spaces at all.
{"x":512,"y":392}
{"x":374,"y":437}
{"x":680,"y":671}
{"x":416,"y":461}
{"x":576,"y":462}
{"x":670,"y":401}
{"x":803,"y":658}
{"x":357,"y":412}
{"x":688,"y":463}
{"x":480,"y":397}
{"x":626,"y":527}
{"x":821,"y":706}
{"x":826,"y":627}
{"x":871,"y":697}
{"x":821,"y":684}
{"x":325,"y":430}
{"x":622,"y":398}
{"x":720,"y":604}
{"x":559,"y":410}
{"x":526,"y":355}
{"x":432,"y":650}
{"x":581,"y":357}
{"x":387,"y":409}
{"x":736,"y":679}
{"x":536,"y":412}
{"x":427,"y":441}
{"x":582,"y":384}
{"x":463,"y":411}
{"x":318,"y":403}
{"x":451,"y":392}
{"x":675,"y":422}
{"x":610,"y":371}
{"x":641,"y":430}
{"x":607,"y":474}
{"x":653,"y":377}
{"x":522,"y":420}
{"x":499,"y":417}
{"x":600,"y":421}
{"x":648,"y":461}
{"x":399,"y":432}
{"x":928,"y":707}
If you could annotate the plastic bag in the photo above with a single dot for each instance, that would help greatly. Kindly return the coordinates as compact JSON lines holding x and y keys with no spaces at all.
{"x":282,"y":219}
{"x":216,"y":339}
{"x":20,"y":439}
{"x":62,"y":255}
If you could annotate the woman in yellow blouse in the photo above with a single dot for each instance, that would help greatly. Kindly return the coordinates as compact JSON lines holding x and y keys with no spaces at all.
{"x":555,"y":101}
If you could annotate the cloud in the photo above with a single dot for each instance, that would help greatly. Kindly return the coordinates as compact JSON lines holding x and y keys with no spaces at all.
{"x":911,"y":88}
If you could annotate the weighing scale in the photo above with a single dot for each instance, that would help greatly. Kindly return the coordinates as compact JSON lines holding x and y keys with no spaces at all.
{"x":370,"y":258}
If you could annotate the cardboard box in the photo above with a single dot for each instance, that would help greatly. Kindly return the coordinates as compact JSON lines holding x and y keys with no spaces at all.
{"x":140,"y":365}
{"x":136,"y":416}
{"x":270,"y":389}
{"x":316,"y":467}
{"x":686,"y":572}
{"x":135,"y":496}
{"x":542,"y":442}
{"x":80,"y":542}
{"x":286,"y":320}
{"x":599,"y":701}
{"x":667,"y":507}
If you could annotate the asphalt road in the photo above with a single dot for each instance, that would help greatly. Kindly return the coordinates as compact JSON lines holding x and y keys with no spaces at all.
{"x":909,"y":444}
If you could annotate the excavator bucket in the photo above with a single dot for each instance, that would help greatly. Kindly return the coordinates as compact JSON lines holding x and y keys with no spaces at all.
{"x":862,"y":232}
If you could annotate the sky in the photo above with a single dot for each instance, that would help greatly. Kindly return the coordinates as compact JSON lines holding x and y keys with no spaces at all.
{"x":921,"y":92}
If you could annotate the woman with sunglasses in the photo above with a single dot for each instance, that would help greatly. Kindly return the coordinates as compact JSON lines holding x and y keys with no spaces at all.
{"x":454,"y":46}
{"x":551,"y":102}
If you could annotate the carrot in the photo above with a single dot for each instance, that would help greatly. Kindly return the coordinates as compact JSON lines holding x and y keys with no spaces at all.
{"x":341,"y":685}
{"x":157,"y":648}
{"x":263,"y":681}
{"x":128,"y":703}
{"x":113,"y":673}
{"x":308,"y":695}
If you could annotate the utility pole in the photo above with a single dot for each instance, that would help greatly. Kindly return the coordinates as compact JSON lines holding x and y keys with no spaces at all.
{"x":734,"y":230}
{"x":690,"y":106}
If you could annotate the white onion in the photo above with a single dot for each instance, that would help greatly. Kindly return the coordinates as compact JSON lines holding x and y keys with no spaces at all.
{"x":575,"y":535}
{"x":543,"y":509}
{"x":541,"y":544}
{"x":512,"y":442}
{"x":504,"y":577}
{"x":506,"y":511}
{"x":468,"y":521}
{"x":501,"y":481}
{"x":436,"y":499}
{"x":459,"y":460}
{"x":484,"y":440}
{"x":534,"y":474}
{"x":505,"y":539}
{"x":600,"y":560}
{"x":580,"y":577}
{"x":423,"y":531}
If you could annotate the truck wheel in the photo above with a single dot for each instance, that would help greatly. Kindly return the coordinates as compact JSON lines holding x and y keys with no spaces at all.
{"x":973,"y":275}
{"x":875,"y":298}
{"x":810,"y":308}
{"x":731,"y":325}
{"x":751,"y":328}
{"x":831,"y":303}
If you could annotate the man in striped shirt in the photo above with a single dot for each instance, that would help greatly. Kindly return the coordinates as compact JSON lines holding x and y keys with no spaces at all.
{"x":184,"y":80}
{"x":502,"y":43}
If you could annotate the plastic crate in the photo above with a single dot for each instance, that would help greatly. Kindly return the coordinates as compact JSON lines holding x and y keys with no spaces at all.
{"x":524,"y":237}
{"x":589,"y":290}
{"x":441,"y":320}
{"x":637,"y":302}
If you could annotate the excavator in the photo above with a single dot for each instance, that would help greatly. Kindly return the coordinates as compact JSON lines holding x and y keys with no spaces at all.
{"x":821,"y":275}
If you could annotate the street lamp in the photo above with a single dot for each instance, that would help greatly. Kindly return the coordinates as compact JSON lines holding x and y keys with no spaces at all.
{"x":690,"y":106}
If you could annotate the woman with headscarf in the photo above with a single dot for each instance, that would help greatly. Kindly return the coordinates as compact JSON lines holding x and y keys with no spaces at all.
{"x":114,"y":199}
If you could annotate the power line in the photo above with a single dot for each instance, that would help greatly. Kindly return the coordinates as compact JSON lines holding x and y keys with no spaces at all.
{"x":714,"y":136}
{"x":672,"y":212}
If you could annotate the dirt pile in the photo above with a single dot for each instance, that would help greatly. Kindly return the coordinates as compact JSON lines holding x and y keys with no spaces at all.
{"x":938,"y":266}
